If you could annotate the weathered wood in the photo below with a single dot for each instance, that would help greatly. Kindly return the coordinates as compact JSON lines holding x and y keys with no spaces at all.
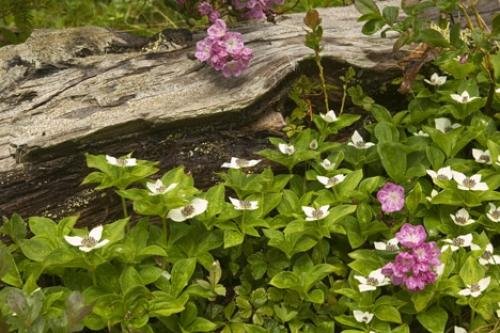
{"x":90,"y":89}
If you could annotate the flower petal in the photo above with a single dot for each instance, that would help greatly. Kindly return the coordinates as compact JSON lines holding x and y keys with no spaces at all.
{"x":96,"y":233}
{"x":73,"y":240}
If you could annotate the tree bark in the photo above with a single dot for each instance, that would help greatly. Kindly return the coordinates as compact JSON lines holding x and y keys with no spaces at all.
{"x":67,"y":92}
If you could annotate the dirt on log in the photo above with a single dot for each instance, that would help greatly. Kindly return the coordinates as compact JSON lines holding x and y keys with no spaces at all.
{"x":66,"y":92}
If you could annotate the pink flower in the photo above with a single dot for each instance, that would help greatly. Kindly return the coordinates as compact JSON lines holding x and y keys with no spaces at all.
{"x":411,"y":236}
{"x":392,"y":197}
{"x":417,"y":265}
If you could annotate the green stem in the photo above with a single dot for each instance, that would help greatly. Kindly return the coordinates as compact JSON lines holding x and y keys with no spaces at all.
{"x":124,"y":207}
{"x":165,"y":228}
{"x":322,"y":79}
{"x":344,"y":96}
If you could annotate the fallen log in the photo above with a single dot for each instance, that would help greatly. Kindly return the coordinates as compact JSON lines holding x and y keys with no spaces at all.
{"x":67,"y":92}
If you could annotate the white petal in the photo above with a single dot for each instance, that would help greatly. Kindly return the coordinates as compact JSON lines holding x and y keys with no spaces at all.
{"x":73,"y":240}
{"x":361,"y":279}
{"x":484,"y":283}
{"x":236,"y":203}
{"x":381,"y":246}
{"x":489,"y":248}
{"x":464,"y":292}
{"x":85,"y":249}
{"x":477,"y":153}
{"x":432,"y":174}
{"x":377,"y":274}
{"x":458,"y":329}
{"x":467,"y":239}
{"x":324,"y":210}
{"x":365,"y":287}
{"x":309,"y":211}
{"x":446,"y":171}
{"x":356,"y":138}
{"x":362,"y":317}
{"x":111,"y":160}
{"x":458,"y":177}
{"x":480,"y":187}
{"x":130,"y":162}
{"x":200,"y":206}
{"x":457,"y":98}
{"x":96,"y":233}
{"x":176,"y":215}
{"x":101,"y":243}
{"x":286,"y":149}
{"x":475,"y":247}
{"x":442,"y":124}
{"x":323,"y":180}
{"x":327,"y":164}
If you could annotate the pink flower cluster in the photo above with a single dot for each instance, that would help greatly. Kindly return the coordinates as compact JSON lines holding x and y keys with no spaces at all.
{"x":417,"y":265}
{"x":205,"y":8}
{"x":392,"y":197}
{"x":224,"y":50}
{"x":255,"y":9}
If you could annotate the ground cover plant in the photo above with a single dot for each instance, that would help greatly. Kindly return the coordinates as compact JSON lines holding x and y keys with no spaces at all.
{"x":394,"y":229}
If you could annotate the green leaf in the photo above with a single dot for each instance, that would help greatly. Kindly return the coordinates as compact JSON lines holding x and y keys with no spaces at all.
{"x":182,"y":271}
{"x":285,"y":280}
{"x":42,"y":226}
{"x":366,"y":7}
{"x":233,"y":237}
{"x":433,"y":37}
{"x":15,"y":228}
{"x":130,"y":279}
{"x":434,"y":319}
{"x":393,"y":158}
{"x":201,"y":325}
{"x":471,"y":271}
{"x":388,"y":313}
{"x":8,"y":269}
{"x":390,"y":14}
{"x":36,"y":248}
{"x":414,"y":198}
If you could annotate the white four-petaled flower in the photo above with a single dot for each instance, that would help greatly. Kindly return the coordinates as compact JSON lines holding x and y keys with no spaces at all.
{"x":462,"y":217}
{"x":88,"y":243}
{"x":244,"y":204}
{"x":457,"y":242}
{"x":391,"y":245}
{"x":158,"y":187}
{"x":472,"y":183}
{"x":421,"y":133}
{"x":481,"y":156}
{"x":358,"y":142}
{"x":436,"y":80}
{"x":121,"y":162}
{"x":463,"y":98}
{"x":327,"y":164}
{"x":443,"y":174}
{"x":313,"y":145}
{"x":239,"y":163}
{"x":488,"y":257}
{"x":330,"y":181}
{"x":329,"y":117}
{"x":444,"y":124}
{"x":362,"y":317}
{"x":476,"y":289}
{"x":196,"y":207}
{"x":313,"y":214}
{"x":286,"y":149}
{"x":493,"y":213}
{"x":372,"y":281}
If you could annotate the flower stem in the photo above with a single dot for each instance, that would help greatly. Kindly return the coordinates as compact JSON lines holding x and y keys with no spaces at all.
{"x":322,"y":79}
{"x":124,"y":207}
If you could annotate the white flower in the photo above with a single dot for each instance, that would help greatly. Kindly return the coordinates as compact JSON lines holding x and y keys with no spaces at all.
{"x":444,"y":124}
{"x":462,"y":218}
{"x":244,"y":204}
{"x":91,"y":242}
{"x":493,"y":213}
{"x":442,"y":174}
{"x":357,"y":141}
{"x":433,"y":194}
{"x":330,"y":181}
{"x":457,"y":242}
{"x":362,"y":317}
{"x":239,"y":163}
{"x":286,"y":149}
{"x":464,"y":98}
{"x":421,"y":133}
{"x":313,"y":145}
{"x":476,"y":289}
{"x":488,"y":257}
{"x":436,"y":80}
{"x":472,"y":183}
{"x":313,"y":214}
{"x":329,"y":117}
{"x":481,"y":156}
{"x":439,"y":269}
{"x":121,"y":162}
{"x":196,"y":207}
{"x":158,"y":187}
{"x":458,"y":329}
{"x":372,"y":281}
{"x":327,"y":165}
{"x":390,"y":245}
{"x":497,"y":90}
